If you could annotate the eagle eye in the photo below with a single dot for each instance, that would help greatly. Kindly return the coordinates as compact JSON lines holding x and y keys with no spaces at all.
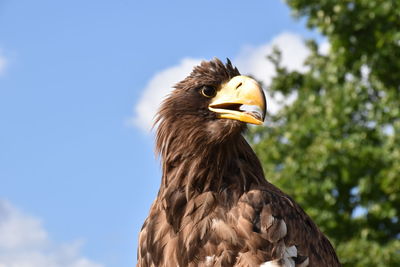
{"x":208,"y":91}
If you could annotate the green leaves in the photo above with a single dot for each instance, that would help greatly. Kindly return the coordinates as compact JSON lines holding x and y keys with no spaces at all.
{"x":336,"y":149}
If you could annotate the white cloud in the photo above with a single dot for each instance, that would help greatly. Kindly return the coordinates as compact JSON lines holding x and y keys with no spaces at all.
{"x":253,"y":60}
{"x":25,"y":243}
{"x":250,"y":60}
{"x":158,"y":87}
{"x":324,"y":48}
{"x":3,"y":63}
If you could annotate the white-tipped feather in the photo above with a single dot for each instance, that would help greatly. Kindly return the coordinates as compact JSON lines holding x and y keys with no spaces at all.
{"x":286,"y":261}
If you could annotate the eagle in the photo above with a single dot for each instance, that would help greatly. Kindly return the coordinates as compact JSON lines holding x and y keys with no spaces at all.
{"x":214,"y":206}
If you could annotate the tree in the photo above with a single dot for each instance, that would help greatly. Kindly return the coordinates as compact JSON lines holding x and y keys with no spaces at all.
{"x":336,"y":149}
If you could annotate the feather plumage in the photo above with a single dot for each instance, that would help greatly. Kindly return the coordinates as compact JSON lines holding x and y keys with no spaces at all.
{"x":214,"y":206}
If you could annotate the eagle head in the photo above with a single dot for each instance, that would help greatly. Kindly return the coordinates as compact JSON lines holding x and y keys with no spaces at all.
{"x":211,"y":104}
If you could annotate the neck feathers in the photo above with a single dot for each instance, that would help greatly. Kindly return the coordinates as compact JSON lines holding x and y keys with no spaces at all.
{"x":195,"y":163}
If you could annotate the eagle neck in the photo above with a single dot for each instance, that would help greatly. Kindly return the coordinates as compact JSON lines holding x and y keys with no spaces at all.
{"x":199,"y":166}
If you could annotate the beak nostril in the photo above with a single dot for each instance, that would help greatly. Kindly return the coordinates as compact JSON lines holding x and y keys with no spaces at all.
{"x":240,"y":84}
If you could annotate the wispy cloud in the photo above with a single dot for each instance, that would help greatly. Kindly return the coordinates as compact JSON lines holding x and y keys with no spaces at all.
{"x":3,"y":63}
{"x":250,"y":60}
{"x":25,"y":243}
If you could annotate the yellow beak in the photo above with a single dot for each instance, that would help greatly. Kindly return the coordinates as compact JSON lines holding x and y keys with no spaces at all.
{"x":242,"y":99}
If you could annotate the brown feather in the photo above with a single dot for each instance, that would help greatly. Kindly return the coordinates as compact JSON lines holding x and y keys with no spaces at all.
{"x":214,"y":206}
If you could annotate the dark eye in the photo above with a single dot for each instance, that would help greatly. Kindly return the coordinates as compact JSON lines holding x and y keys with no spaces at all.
{"x":208,"y":91}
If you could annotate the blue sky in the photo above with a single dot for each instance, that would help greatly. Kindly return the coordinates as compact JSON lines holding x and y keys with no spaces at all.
{"x":75,"y":163}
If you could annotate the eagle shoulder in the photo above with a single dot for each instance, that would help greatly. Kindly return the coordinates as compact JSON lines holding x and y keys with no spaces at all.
{"x":263,"y":227}
{"x":275,"y":226}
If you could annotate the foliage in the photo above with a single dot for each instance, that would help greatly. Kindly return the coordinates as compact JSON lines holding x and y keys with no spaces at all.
{"x":336,"y":149}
